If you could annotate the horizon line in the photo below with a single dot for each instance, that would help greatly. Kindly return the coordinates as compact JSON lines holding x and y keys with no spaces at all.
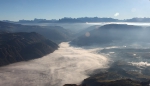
{"x":72,"y":18}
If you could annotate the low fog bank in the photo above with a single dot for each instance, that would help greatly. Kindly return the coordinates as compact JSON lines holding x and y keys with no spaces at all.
{"x":128,"y":61}
{"x":128,"y":23}
{"x":77,"y":27}
{"x":71,"y":65}
{"x":66,"y":65}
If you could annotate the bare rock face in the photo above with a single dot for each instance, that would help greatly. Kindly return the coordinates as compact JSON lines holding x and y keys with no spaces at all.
{"x":22,"y":46}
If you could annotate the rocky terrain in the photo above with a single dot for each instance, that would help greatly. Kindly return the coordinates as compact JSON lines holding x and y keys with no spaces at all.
{"x":121,"y":82}
{"x":119,"y":74}
{"x":23,"y":46}
{"x":122,"y":70}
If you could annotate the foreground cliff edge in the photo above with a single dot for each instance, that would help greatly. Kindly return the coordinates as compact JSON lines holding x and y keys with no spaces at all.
{"x":23,"y":46}
{"x":121,"y":82}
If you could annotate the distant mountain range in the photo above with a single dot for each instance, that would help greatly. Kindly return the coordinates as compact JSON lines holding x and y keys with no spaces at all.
{"x":82,"y":20}
{"x":21,"y":42}
{"x":54,"y":33}
{"x":113,"y":33}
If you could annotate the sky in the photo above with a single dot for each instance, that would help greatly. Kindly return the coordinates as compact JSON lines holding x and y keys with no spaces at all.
{"x":15,"y":10}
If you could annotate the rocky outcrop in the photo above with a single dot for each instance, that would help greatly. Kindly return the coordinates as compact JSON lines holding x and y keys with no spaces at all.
{"x":22,"y":46}
{"x":121,"y":82}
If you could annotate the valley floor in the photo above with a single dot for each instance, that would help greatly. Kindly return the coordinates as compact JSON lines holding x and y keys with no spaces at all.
{"x":65,"y":65}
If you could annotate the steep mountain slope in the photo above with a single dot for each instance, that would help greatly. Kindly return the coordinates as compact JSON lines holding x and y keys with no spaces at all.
{"x":15,"y":47}
{"x":113,"y":33}
{"x":86,"y":30}
{"x":54,"y":33}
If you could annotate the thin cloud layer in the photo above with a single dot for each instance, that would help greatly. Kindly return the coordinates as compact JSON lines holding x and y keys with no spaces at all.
{"x":66,"y":65}
{"x":133,"y":10}
{"x":116,"y":14}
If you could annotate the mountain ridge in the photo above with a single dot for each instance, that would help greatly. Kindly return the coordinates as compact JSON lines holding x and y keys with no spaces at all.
{"x":82,"y":20}
{"x":111,"y":33}
{"x":23,"y":46}
{"x":55,"y":33}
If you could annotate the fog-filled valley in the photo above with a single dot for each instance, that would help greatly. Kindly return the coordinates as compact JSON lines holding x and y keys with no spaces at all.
{"x":65,"y":65}
{"x":55,"y":54}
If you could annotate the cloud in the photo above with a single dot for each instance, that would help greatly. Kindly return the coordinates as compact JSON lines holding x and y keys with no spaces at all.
{"x":144,"y":64}
{"x":66,"y":65}
{"x":133,"y":10}
{"x":116,"y":14}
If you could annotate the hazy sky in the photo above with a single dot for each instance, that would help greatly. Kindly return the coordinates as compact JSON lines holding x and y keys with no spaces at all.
{"x":55,"y":9}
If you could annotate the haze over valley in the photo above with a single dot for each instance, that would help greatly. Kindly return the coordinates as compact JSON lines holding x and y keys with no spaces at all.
{"x":75,"y":43}
{"x":77,"y":56}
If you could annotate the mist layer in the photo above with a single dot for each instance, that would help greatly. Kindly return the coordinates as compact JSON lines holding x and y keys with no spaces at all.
{"x":65,"y":65}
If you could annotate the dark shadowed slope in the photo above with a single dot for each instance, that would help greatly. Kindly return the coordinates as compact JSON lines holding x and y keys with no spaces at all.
{"x":54,"y":33}
{"x":21,"y":46}
{"x":113,"y":33}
